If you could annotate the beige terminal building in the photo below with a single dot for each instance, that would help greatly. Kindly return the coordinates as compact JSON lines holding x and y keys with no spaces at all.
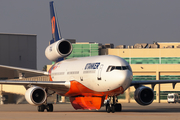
{"x":157,"y":61}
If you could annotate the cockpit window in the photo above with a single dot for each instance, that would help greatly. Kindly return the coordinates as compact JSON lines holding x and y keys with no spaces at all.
{"x":111,"y":68}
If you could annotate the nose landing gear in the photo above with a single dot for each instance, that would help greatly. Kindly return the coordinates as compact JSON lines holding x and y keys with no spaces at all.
{"x":112,"y":105}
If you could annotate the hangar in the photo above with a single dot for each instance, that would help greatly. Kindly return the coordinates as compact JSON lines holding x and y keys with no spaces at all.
{"x":17,"y":50}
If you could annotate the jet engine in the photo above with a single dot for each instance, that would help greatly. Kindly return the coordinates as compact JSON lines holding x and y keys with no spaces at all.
{"x":36,"y":95}
{"x":144,"y":95}
{"x":59,"y":49}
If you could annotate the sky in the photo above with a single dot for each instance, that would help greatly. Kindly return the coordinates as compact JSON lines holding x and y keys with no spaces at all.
{"x":121,"y":22}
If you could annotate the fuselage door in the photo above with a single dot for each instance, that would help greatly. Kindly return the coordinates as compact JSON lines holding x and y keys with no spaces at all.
{"x":99,"y":72}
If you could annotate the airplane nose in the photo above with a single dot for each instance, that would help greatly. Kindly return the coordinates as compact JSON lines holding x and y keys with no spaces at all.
{"x":126,"y":78}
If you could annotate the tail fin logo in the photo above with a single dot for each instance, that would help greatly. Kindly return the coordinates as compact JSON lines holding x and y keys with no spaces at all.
{"x":53,"y":22}
{"x":56,"y":34}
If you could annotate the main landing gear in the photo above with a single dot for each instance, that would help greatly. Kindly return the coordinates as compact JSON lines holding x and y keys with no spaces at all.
{"x":48,"y":107}
{"x":112,"y":105}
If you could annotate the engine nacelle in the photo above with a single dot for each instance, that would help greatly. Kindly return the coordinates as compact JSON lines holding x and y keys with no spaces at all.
{"x":36,"y":95}
{"x":144,"y":95}
{"x":59,"y":49}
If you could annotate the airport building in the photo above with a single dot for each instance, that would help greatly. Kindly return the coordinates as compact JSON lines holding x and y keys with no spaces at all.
{"x":18,"y":50}
{"x":157,"y":61}
{"x":84,"y":50}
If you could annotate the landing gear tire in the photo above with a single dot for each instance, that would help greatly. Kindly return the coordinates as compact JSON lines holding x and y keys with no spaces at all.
{"x":41,"y":108}
{"x":48,"y":107}
{"x":113,"y":106}
{"x":108,"y":108}
{"x":118,"y":107}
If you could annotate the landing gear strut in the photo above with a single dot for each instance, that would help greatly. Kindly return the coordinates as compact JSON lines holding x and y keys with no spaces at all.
{"x":48,"y":107}
{"x":112,"y":105}
{"x":45,"y":105}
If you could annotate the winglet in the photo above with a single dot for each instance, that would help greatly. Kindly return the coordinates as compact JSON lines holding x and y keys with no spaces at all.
{"x":56,"y":34}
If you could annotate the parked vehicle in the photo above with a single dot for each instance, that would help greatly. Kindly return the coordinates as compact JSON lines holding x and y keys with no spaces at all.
{"x":173,"y":98}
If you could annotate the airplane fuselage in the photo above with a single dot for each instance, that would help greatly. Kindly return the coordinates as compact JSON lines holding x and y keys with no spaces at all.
{"x":93,"y":76}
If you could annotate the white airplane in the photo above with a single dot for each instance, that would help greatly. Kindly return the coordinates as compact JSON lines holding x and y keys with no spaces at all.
{"x":87,"y":81}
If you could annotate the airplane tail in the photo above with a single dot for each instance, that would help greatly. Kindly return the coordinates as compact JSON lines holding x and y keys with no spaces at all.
{"x":59,"y":48}
{"x":56,"y":34}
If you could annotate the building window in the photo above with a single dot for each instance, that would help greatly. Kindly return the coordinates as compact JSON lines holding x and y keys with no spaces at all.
{"x":154,"y":60}
{"x":144,"y":77}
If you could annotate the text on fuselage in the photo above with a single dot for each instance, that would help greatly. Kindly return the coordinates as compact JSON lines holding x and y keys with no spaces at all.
{"x":92,"y":66}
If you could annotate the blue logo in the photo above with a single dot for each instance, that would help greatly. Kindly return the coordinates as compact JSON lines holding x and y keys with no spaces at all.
{"x":92,"y":66}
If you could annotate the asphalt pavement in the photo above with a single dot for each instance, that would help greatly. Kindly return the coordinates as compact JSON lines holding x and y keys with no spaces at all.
{"x":130,"y":111}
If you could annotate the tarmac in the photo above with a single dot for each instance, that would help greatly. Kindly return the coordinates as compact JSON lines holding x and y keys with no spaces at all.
{"x":130,"y":111}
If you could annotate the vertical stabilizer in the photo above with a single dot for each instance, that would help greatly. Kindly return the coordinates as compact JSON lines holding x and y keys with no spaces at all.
{"x":56,"y":34}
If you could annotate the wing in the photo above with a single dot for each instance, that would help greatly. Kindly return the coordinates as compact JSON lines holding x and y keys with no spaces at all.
{"x":154,"y":82}
{"x":25,"y":70}
{"x":58,"y":86}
